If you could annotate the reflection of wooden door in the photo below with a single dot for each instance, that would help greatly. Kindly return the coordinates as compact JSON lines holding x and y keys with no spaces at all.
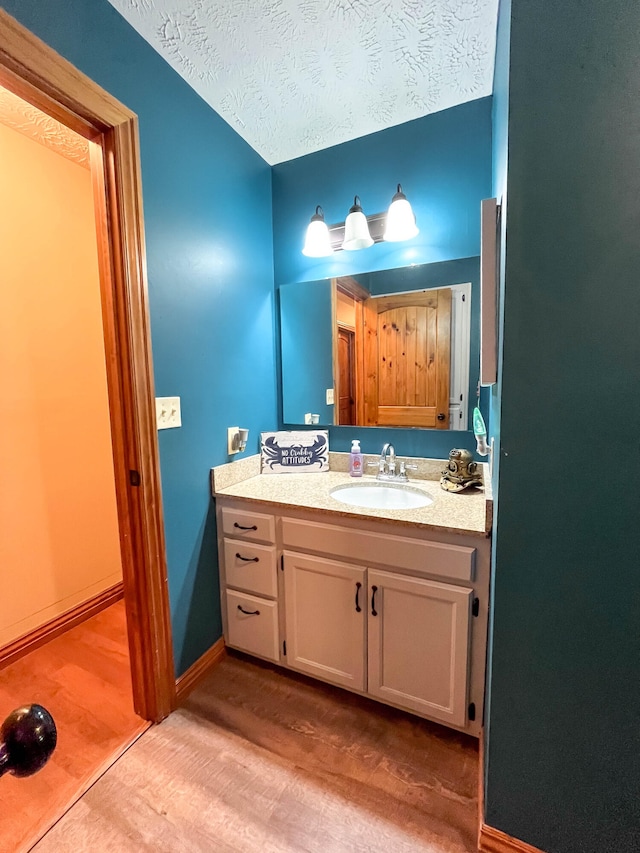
{"x":406,"y":359}
{"x":346,"y":376}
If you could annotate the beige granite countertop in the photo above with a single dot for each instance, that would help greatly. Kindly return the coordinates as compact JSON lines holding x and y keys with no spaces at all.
{"x":464,"y":512}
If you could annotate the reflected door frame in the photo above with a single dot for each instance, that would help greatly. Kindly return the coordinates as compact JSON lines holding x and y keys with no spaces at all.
{"x":40,"y":76}
{"x":354,"y":290}
{"x":346,"y":374}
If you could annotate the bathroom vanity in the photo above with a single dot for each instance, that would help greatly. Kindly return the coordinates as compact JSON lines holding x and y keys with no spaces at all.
{"x":391,"y":604}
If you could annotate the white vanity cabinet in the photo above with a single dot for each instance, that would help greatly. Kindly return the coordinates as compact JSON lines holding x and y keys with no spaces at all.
{"x":395,"y":612}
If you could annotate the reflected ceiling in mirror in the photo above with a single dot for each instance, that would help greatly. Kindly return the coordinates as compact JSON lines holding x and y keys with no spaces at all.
{"x":396,"y":348}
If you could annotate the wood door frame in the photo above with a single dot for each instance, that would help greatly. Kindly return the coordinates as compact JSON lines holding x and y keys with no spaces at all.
{"x":36,"y":73}
{"x":359,"y":294}
{"x":351,"y":333}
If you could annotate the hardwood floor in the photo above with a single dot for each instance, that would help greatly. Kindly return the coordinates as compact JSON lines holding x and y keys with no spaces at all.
{"x":261,"y":760}
{"x":83,"y":679}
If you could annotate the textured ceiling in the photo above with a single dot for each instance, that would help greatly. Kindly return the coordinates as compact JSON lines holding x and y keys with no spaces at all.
{"x":23,"y":117}
{"x":295,"y":76}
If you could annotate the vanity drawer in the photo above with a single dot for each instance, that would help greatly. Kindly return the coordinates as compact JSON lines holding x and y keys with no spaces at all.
{"x":251,"y":567}
{"x":456,"y":562}
{"x":248,"y":525}
{"x":252,"y":625}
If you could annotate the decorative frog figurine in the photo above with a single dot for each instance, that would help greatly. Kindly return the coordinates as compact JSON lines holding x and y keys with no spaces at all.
{"x":461,"y":472}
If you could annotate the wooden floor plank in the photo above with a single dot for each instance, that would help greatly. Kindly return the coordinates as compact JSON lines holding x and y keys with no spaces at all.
{"x":260,"y":760}
{"x":83,"y":678}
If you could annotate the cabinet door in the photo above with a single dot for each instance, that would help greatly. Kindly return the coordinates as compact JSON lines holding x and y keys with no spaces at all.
{"x":419,"y":645}
{"x":325,"y":629}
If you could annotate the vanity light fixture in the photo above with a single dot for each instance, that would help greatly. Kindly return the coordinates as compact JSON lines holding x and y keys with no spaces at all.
{"x":356,"y":228}
{"x":317,"y":243}
{"x":360,"y":231}
{"x":401,"y":220}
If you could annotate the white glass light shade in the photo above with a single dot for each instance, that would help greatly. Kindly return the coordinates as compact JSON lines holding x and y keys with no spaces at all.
{"x":401,"y":221}
{"x":356,"y":229}
{"x":317,"y":243}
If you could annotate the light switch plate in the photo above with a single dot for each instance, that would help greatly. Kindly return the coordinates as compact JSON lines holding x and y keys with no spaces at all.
{"x":168,"y":412}
{"x":329,"y":396}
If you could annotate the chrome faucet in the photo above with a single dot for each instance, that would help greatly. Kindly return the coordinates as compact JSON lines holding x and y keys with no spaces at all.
{"x":388,"y":460}
{"x":386,"y":465}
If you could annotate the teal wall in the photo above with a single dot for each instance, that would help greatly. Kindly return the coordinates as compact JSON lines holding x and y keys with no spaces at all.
{"x":306,"y":348}
{"x":207,"y":206}
{"x":564,"y":721}
{"x":443,"y":162}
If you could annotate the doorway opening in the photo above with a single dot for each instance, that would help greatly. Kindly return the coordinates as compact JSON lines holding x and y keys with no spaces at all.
{"x":33,"y":72}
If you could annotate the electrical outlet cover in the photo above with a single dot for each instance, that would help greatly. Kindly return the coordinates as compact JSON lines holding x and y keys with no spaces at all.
{"x":232,"y":434}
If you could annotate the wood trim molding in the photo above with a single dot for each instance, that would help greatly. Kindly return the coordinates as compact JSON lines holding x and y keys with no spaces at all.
{"x":352,"y":286}
{"x":54,"y":627}
{"x":359,"y":357}
{"x":197,"y":671}
{"x":495,"y":841}
{"x":29,"y":68}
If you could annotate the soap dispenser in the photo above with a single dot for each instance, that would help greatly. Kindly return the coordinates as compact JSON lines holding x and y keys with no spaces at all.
{"x":355,"y":459}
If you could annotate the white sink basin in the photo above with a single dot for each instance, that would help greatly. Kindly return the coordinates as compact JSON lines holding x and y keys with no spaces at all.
{"x":381,"y":496}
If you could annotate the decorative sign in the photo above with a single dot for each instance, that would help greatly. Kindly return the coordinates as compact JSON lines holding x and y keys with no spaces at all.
{"x":284,"y":452}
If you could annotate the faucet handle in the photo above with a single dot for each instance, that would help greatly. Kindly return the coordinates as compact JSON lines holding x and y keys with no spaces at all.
{"x":404,"y":467}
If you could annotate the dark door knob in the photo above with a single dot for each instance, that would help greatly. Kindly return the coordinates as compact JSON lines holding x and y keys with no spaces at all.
{"x":441,"y":417}
{"x":27,"y":738}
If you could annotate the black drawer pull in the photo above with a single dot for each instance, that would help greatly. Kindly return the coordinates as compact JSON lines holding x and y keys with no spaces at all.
{"x":248,"y":559}
{"x":358,"y":608}
{"x":248,"y":612}
{"x":240,"y":527}
{"x":374,"y":589}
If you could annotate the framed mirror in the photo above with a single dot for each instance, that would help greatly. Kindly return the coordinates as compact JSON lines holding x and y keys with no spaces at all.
{"x":396,"y":348}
